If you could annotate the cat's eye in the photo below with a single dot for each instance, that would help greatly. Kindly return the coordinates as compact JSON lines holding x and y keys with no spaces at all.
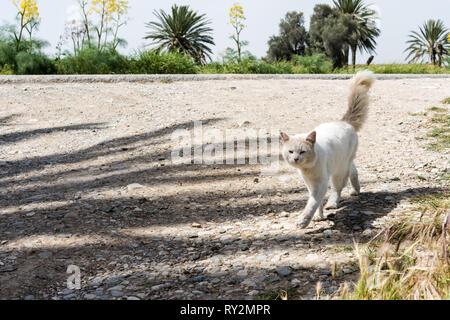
{"x":291,"y":152}
{"x":302,"y":152}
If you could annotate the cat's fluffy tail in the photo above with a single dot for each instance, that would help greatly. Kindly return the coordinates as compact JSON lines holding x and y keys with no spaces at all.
{"x":358,"y":101}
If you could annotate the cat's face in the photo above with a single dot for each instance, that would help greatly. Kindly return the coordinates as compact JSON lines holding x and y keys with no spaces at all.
{"x":298,"y":152}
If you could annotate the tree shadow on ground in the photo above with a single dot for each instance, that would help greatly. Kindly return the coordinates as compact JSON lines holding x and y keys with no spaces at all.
{"x":112,"y":243}
{"x":357,"y":214}
{"x":34,"y":196}
{"x":15,"y":137}
{"x":48,"y":265}
{"x":5,"y":120}
{"x":105,"y":148}
{"x":92,"y":216}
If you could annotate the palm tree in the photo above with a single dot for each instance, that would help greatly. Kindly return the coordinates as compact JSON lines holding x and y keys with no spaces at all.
{"x":431,"y":40}
{"x":365,"y":28}
{"x":183,"y":31}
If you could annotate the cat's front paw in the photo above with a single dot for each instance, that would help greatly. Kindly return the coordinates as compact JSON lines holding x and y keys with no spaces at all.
{"x":319,"y":218}
{"x":332,"y":204}
{"x":303,"y":223}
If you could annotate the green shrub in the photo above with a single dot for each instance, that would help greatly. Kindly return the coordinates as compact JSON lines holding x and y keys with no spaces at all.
{"x":34,"y":63}
{"x":22,"y":61}
{"x":309,"y":64}
{"x":5,"y":71}
{"x":316,"y":63}
{"x":93,"y":61}
{"x":7,"y":55}
{"x":212,"y":68}
{"x":154,"y":62}
{"x":255,"y":67}
{"x":249,"y":66}
{"x":263,"y":67}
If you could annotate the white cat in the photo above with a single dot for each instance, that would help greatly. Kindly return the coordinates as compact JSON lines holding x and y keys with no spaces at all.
{"x":327,"y":153}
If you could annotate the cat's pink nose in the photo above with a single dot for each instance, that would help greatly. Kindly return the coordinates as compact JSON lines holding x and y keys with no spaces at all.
{"x":296,"y":159}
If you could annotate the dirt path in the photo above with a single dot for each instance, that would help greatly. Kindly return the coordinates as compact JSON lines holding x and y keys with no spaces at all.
{"x":86,"y":179}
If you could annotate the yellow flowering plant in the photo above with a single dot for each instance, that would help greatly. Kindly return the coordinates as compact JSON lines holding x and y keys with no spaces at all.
{"x":27,"y":10}
{"x":119,"y":19}
{"x":110,"y":15}
{"x":28,"y":15}
{"x":237,"y":19}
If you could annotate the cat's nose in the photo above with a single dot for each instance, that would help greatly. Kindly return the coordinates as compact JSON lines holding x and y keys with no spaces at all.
{"x":296,"y":159}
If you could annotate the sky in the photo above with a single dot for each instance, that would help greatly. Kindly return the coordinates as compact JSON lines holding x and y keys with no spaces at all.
{"x":397,"y":19}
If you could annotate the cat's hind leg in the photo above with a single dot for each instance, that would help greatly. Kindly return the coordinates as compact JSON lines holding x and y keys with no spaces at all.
{"x":354,"y":180}
{"x":319,"y":216}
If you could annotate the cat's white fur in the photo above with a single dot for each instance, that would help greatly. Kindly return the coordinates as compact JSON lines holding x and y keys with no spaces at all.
{"x":327,"y":153}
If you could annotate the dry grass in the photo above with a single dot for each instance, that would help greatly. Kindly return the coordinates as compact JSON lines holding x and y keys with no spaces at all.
{"x":440,"y":132}
{"x":439,"y":122}
{"x":412,"y":261}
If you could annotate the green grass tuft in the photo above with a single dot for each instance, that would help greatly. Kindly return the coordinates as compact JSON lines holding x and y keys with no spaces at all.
{"x":418,"y":114}
{"x":398,"y":69}
{"x":339,"y":249}
{"x":437,"y":109}
{"x":440,"y":129}
{"x":446,"y":101}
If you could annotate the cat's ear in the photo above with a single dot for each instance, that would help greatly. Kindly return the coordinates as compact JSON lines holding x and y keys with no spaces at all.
{"x":284,"y":136}
{"x":311,"y":138}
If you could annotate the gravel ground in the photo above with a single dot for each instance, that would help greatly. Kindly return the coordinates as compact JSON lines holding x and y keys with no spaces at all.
{"x":86,"y":179}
